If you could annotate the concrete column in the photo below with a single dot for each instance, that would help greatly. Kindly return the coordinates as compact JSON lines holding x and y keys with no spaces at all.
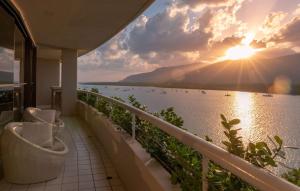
{"x":69,"y":81}
{"x":47,"y":75}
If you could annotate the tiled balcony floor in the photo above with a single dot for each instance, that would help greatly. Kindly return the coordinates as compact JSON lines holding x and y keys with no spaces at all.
{"x":87,"y":168}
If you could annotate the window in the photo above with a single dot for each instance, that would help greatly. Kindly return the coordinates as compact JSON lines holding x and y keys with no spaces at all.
{"x":17,"y":66}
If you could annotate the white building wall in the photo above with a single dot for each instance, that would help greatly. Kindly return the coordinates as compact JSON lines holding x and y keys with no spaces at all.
{"x":69,"y":81}
{"x":47,"y":75}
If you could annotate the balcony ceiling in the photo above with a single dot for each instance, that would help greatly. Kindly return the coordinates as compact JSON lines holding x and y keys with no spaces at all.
{"x":77,"y":24}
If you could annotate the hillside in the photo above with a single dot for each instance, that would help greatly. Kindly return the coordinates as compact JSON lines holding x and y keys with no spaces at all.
{"x":239,"y":74}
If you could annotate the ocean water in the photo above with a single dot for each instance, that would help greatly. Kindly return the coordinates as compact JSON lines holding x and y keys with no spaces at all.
{"x":260,"y":116}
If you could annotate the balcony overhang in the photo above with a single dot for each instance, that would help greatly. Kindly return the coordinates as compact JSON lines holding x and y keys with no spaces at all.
{"x":77,"y":24}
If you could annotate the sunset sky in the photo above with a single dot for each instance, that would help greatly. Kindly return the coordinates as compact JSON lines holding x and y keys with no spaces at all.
{"x":196,"y":31}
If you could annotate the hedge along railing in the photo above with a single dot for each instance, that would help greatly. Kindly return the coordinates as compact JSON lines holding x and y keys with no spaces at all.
{"x":257,"y":177}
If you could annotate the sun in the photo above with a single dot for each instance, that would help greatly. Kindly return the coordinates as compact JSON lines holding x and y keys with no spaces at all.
{"x":241,"y":51}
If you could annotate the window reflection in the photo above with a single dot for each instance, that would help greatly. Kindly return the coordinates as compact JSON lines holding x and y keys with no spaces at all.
{"x":12,"y":46}
{"x":18,"y":66}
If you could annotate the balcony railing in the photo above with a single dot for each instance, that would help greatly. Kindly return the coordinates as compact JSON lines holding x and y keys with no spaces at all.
{"x":208,"y":152}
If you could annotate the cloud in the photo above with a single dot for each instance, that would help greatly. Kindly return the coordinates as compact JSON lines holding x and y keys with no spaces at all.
{"x":272,"y":23}
{"x":297,"y":10}
{"x":258,"y":44}
{"x":282,"y":38}
{"x":195,"y":3}
{"x":289,"y":33}
{"x":166,"y":33}
{"x":225,"y":22}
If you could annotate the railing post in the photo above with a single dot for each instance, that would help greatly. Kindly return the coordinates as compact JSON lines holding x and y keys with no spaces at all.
{"x":205,"y":162}
{"x":97,"y":101}
{"x":87,"y":97}
{"x":111,"y":110}
{"x":133,"y":126}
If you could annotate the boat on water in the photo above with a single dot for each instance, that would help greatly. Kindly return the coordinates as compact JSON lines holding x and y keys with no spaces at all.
{"x":227,"y":94}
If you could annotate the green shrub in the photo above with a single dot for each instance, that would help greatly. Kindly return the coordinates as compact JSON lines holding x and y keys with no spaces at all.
{"x":91,"y":99}
{"x":121,"y":116}
{"x":82,"y":96}
{"x":293,"y":176}
{"x":103,"y":107}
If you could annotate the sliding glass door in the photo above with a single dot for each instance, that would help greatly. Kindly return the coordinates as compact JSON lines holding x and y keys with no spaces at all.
{"x":7,"y":62}
{"x":17,"y":66}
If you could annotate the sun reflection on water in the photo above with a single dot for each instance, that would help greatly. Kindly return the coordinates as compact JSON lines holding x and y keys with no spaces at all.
{"x":244,"y":109}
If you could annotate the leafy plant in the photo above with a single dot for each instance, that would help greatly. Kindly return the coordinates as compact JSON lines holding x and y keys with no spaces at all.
{"x":121,"y":116}
{"x":260,"y":154}
{"x":293,"y":176}
{"x":91,"y":99}
{"x":82,"y":96}
{"x":103,"y":106}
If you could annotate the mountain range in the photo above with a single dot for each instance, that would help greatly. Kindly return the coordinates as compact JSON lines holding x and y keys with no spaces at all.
{"x":247,"y":74}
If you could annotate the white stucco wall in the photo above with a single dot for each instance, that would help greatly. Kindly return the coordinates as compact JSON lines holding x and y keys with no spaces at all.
{"x":69,"y":81}
{"x":47,"y":75}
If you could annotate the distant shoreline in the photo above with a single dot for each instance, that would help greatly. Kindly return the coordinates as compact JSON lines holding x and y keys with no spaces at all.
{"x":256,"y":88}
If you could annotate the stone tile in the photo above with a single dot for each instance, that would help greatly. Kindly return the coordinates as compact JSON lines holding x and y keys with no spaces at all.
{"x":73,"y":173}
{"x":81,"y":162}
{"x":71,"y":168}
{"x":85,"y":178}
{"x":86,"y":185}
{"x":104,"y":189}
{"x":118,"y":188}
{"x":99,"y":176}
{"x":84,"y":167}
{"x":69,"y":187}
{"x":16,"y":187}
{"x":98,"y":170}
{"x":101,"y":183}
{"x":70,"y":179}
{"x":53,"y":187}
{"x":88,"y":189}
{"x":37,"y":187}
{"x":54,"y":181}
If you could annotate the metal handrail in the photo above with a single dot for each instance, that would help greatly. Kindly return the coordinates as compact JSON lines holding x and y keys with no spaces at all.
{"x":12,"y":85}
{"x":257,"y":177}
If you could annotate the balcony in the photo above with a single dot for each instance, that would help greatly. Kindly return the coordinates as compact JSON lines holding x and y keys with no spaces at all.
{"x":107,"y":156}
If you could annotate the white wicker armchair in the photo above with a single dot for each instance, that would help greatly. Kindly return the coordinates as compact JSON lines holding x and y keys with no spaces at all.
{"x":32,"y":114}
{"x":29,"y":153}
